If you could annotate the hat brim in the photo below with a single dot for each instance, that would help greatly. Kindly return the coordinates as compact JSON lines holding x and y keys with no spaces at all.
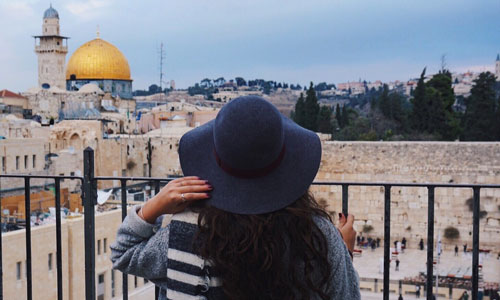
{"x":274,"y":191}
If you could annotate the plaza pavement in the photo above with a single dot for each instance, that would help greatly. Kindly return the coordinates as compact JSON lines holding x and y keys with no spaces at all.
{"x":412,"y":261}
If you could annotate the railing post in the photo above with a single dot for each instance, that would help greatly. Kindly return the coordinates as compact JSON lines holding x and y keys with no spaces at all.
{"x":123,"y":183}
{"x":430,"y":240}
{"x":89,"y":196}
{"x":475,"y":243}
{"x":387,"y":238}
{"x":1,"y":231}
{"x":27,"y":217}
{"x":345,"y":199}
{"x":58,"y":239}
{"x":157,"y":190}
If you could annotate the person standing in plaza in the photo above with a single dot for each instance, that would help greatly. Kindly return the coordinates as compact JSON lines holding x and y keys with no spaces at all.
{"x":421,"y":244}
{"x":400,"y":297}
{"x":417,"y":290}
{"x":378,"y":244}
{"x":456,"y":250}
{"x":397,"y":264}
{"x":465,"y":248}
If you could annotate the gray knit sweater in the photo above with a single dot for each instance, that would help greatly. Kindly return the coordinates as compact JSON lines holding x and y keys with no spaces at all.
{"x":141,"y":249}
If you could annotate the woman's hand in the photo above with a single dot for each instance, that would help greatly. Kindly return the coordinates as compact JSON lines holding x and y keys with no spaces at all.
{"x":347,"y":231}
{"x":175,"y":197}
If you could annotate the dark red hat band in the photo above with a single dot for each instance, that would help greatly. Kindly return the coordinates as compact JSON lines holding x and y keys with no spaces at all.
{"x":253,"y":173}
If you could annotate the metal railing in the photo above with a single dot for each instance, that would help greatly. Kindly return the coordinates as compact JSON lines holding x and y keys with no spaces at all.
{"x":89,"y":198}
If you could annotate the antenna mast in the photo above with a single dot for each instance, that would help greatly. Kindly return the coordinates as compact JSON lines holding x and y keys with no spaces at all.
{"x":161,"y":54}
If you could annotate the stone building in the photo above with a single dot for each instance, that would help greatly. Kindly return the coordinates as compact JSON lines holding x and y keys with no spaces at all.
{"x":44,"y":270}
{"x":12,"y":103}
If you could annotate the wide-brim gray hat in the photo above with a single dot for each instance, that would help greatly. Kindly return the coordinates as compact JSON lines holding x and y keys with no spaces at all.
{"x":257,"y":160}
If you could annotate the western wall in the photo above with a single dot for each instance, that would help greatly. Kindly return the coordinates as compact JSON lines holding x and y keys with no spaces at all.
{"x":415,"y":162}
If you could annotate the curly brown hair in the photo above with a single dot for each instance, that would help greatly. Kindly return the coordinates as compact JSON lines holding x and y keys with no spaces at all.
{"x":277,"y":255}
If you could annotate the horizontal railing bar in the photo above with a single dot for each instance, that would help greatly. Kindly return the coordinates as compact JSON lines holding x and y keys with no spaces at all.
{"x":41,"y":176}
{"x":134,"y":178}
{"x":163,"y":179}
{"x":435,"y":185}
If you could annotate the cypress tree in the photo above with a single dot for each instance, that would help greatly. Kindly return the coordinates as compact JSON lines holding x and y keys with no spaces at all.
{"x":448,"y":126}
{"x":324,"y":119}
{"x":345,"y":116}
{"x":420,"y":112}
{"x":480,"y":112}
{"x":311,"y":108}
{"x":299,"y":113}
{"x":384,"y":102}
{"x":338,"y":116}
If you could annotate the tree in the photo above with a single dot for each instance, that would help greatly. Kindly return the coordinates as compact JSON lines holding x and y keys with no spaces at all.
{"x":219,"y":81}
{"x":420,"y":112}
{"x":448,"y":127}
{"x":384,"y":102}
{"x":311,"y":108}
{"x":299,"y":113}
{"x":153,"y":89}
{"x":479,"y":119}
{"x":240,"y":81}
{"x":206,"y":83}
{"x":325,"y":119}
{"x":338,"y":115}
{"x":344,"y":116}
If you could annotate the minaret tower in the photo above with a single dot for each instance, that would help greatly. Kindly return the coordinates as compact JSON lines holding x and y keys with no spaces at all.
{"x":497,"y":67}
{"x":51,"y":52}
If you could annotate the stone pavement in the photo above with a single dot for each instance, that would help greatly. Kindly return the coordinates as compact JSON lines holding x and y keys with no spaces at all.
{"x":412,"y":261}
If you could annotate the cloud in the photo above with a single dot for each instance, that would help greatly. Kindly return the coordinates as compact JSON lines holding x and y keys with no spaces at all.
{"x":88,"y":9}
{"x":17,"y":9}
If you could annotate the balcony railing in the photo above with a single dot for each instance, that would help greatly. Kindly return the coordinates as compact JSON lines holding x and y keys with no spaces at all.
{"x":89,"y":198}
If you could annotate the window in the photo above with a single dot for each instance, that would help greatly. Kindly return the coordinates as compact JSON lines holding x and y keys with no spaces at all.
{"x":145,"y":170}
{"x":113,"y":283}
{"x":100,"y":287}
{"x":17,"y":162}
{"x":104,"y":245}
{"x":18,"y":270}
{"x":71,"y":173}
{"x":25,"y":161}
{"x":61,"y":174}
{"x":34,"y":161}
{"x":98,"y":247}
{"x":50,"y":261}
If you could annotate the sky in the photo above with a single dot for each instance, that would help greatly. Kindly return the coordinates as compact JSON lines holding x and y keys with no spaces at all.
{"x":293,"y":41}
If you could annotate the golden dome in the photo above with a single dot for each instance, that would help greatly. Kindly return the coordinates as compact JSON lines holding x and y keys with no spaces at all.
{"x":98,"y":59}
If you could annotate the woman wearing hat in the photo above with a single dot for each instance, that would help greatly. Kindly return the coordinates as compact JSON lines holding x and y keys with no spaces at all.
{"x":244,"y":225}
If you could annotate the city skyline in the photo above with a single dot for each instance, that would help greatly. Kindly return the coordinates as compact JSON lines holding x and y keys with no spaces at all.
{"x":285,"y":41}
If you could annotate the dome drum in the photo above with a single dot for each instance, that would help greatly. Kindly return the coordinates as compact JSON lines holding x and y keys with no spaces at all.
{"x":122,"y":88}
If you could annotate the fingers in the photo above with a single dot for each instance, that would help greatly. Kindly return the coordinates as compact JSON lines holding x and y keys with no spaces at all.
{"x":342,"y":220}
{"x":196,"y":196}
{"x":350,"y":220}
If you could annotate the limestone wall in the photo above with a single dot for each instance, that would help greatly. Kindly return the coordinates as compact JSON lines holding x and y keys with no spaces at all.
{"x":434,"y":162}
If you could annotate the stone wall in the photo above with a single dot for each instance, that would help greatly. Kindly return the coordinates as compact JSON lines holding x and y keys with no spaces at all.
{"x":415,"y":162}
{"x":43,"y":241}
